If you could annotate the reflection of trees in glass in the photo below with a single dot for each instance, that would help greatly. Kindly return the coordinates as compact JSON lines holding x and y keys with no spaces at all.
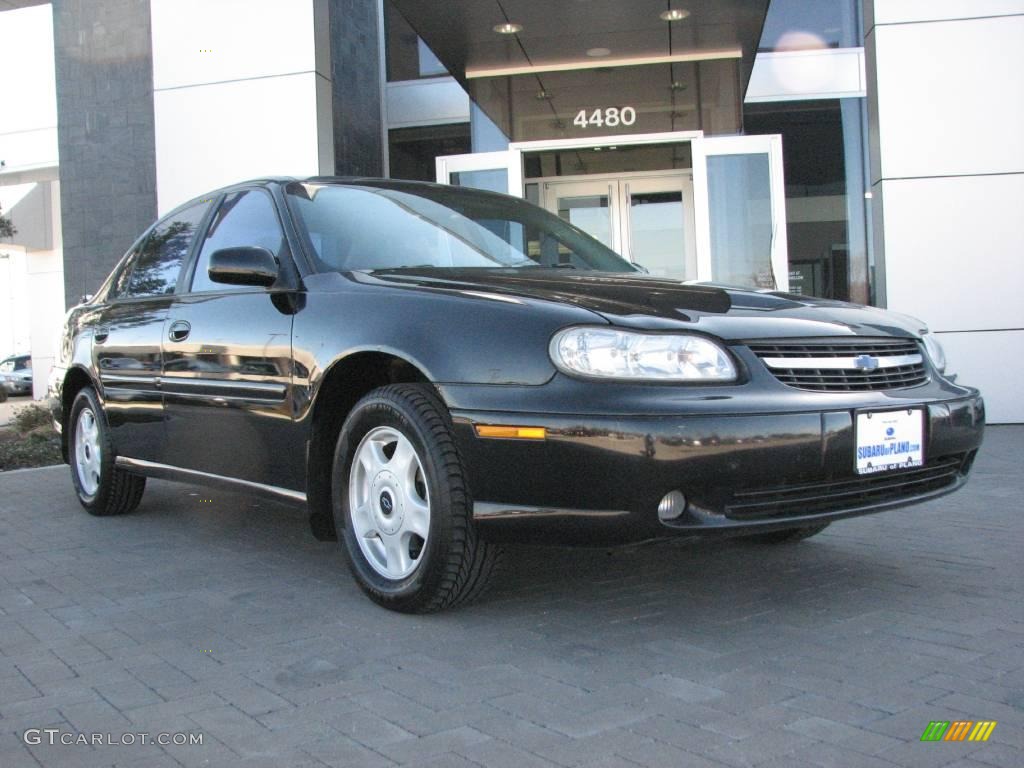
{"x":7,"y":229}
{"x":156,"y":270}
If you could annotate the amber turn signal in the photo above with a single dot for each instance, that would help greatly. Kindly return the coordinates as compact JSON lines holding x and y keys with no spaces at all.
{"x":515,"y":433}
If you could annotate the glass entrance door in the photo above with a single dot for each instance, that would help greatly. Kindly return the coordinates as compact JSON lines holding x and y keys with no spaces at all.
{"x":732,"y":207}
{"x":741,"y":203}
{"x":647,"y":219}
{"x":657,"y":216}
{"x":590,"y":205}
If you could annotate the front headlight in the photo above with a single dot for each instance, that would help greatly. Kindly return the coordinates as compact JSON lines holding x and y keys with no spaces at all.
{"x":934,"y":350}
{"x":609,"y":353}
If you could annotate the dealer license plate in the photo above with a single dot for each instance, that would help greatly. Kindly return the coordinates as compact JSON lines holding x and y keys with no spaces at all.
{"x":889,"y":440}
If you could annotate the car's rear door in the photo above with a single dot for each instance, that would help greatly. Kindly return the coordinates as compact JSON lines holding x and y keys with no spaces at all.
{"x":127,"y":329}
{"x":227,"y":357}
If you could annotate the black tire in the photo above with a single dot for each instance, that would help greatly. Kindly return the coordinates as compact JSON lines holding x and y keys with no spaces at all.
{"x":454,"y":566}
{"x":787,"y":535}
{"x":118,"y":492}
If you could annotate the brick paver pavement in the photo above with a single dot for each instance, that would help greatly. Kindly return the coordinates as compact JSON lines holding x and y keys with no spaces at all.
{"x":215,"y":613}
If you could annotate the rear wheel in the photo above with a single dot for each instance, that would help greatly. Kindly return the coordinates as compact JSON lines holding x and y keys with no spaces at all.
{"x":102,"y":488}
{"x":402,"y":505}
{"x":787,"y":535}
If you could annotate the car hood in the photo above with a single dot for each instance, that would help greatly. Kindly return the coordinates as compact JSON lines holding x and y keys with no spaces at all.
{"x":646,"y":302}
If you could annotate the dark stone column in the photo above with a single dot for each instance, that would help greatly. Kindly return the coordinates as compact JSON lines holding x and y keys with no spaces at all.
{"x":104,"y":72}
{"x":357,"y":91}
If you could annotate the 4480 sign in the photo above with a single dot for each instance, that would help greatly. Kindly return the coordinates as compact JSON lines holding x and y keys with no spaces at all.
{"x":609,"y":117}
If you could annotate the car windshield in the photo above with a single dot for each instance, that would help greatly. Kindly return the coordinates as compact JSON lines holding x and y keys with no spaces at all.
{"x":366,"y":227}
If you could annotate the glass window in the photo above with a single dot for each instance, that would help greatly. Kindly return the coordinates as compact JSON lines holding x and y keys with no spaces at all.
{"x":7,"y":366}
{"x":244,"y":218}
{"x":657,"y":236}
{"x":739,"y":198}
{"x":370,"y":227}
{"x":797,"y":25}
{"x":826,"y":178}
{"x":412,"y":152}
{"x":117,"y":283}
{"x":591,"y":213}
{"x":408,"y":57}
{"x":491,"y":180}
{"x":158,"y":264}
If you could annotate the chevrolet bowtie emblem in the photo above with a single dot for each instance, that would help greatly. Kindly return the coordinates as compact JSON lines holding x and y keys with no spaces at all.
{"x":866,"y":362}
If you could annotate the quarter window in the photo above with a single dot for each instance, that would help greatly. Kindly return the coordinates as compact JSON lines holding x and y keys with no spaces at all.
{"x":243,"y":219}
{"x":159,"y":261}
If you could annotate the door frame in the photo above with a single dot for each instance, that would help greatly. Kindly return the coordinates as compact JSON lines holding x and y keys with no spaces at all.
{"x":770,"y":144}
{"x":509,"y":160}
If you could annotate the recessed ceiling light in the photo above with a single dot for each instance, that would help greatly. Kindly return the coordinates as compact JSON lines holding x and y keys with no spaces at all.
{"x":675,"y":14}
{"x":598,"y":52}
{"x":508,"y":28}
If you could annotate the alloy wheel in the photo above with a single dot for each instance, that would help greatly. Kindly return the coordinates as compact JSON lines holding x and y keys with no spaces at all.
{"x":88,"y":455}
{"x":389,"y":502}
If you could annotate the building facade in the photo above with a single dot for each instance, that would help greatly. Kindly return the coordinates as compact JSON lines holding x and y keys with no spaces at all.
{"x":788,"y":145}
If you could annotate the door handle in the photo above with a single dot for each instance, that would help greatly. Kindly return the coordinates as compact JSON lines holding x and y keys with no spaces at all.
{"x":100,"y":335}
{"x":180,"y":329}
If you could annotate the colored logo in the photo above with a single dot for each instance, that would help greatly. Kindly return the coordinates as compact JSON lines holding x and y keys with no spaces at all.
{"x":958,"y":730}
{"x":889,"y":432}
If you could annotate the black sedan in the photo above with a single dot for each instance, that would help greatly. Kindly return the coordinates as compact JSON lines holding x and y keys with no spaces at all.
{"x":434,"y":371}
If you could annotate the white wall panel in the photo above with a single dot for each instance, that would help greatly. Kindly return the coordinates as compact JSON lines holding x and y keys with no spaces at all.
{"x":992,"y":362}
{"x":949,"y":97}
{"x":903,"y":11}
{"x":45,"y":285}
{"x":28,"y":110}
{"x":208,"y":41}
{"x":953,"y":249}
{"x":212,"y":135}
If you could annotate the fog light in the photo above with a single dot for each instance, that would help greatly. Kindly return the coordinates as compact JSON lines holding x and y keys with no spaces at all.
{"x":672,"y":505}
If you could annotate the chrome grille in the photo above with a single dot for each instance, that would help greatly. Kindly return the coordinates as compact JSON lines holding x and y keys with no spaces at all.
{"x":847,"y":365}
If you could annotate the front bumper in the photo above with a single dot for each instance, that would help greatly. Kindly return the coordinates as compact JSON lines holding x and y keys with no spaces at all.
{"x":600,"y":478}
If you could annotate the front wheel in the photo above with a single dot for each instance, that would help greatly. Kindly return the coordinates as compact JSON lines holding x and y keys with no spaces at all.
{"x":102,"y":488}
{"x":402,"y":505}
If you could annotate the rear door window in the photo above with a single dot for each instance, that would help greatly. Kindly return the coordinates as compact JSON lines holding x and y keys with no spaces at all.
{"x":159,"y":262}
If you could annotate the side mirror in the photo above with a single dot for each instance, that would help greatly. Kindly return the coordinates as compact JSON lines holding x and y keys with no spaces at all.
{"x":243,"y":266}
